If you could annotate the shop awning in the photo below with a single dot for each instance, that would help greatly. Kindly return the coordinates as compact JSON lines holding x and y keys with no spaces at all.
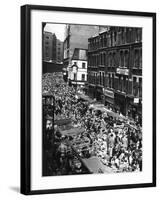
{"x":62,"y":122}
{"x":72,"y":131}
{"x":85,"y":98}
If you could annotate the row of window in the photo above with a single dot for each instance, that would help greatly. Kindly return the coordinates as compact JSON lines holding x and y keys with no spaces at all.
{"x":83,"y":64}
{"x":82,"y":77}
{"x":115,"y":37}
{"x":114,"y":59}
{"x":97,"y":78}
{"x":120,"y":84}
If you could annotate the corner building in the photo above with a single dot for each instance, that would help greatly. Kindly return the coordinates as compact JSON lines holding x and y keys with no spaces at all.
{"x":76,"y":36}
{"x":78,"y":71}
{"x":115,"y":69}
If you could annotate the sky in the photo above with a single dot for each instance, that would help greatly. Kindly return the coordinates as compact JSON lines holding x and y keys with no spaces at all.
{"x":58,"y":29}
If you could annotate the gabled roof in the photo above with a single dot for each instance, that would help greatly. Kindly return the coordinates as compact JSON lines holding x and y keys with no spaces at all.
{"x":79,"y":54}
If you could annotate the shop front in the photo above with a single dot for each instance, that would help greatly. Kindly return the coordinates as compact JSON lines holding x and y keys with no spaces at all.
{"x":91,"y":91}
{"x":99,"y":94}
{"x":135,"y":109}
{"x":109,"y":99}
{"x":120,"y":102}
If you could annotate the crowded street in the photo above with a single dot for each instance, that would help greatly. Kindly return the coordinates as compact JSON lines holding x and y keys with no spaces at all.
{"x":85,"y":136}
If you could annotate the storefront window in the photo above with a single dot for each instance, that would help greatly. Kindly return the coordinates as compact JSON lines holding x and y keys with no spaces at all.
{"x":120,"y":84}
{"x":135,"y":87}
{"x":140,"y":87}
{"x":124,"y":84}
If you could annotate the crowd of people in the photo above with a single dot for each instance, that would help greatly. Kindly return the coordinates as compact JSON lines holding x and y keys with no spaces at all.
{"x":114,"y":141}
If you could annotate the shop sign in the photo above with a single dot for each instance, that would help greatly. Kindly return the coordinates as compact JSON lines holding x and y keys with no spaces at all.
{"x":123,"y":71}
{"x":136,"y":100}
{"x":108,"y":93}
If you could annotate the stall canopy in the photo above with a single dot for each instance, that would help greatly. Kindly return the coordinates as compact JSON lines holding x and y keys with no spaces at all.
{"x":86,"y":98}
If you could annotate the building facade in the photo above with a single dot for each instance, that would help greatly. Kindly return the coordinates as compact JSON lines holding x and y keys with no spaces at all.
{"x":49,"y":46}
{"x":52,"y":48}
{"x":59,"y":51}
{"x":115,"y":69}
{"x":78,"y":69}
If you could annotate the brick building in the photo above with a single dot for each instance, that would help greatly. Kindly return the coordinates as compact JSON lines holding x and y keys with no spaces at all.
{"x":49,"y":46}
{"x":59,"y":51}
{"x":115,"y":69}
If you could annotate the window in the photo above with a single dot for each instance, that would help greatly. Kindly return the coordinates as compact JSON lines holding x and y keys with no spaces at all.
{"x":135,"y":87}
{"x":103,"y":79}
{"x":105,"y":40}
{"x":137,"y":58}
{"x":121,"y":59}
{"x":89,"y":60}
{"x":127,"y":35}
{"x":104,"y":57}
{"x":109,"y":81}
{"x":140,"y":87}
{"x":140,"y":59}
{"x":100,"y":59}
{"x":126,"y":59}
{"x":115,"y":37}
{"x":83,"y":77}
{"x":100,"y":78}
{"x":124,"y":84}
{"x":83,"y":65}
{"x":120,"y":83}
{"x":106,"y":80}
{"x":138,"y":34}
{"x":75,"y":63}
{"x":112,"y":80}
{"x":95,"y":78}
{"x":75,"y":76}
{"x":114,"y":59}
{"x":122,"y":36}
{"x":110,"y":60}
{"x":111,"y":39}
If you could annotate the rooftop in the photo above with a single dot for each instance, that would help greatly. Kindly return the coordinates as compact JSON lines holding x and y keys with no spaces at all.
{"x":79,"y":54}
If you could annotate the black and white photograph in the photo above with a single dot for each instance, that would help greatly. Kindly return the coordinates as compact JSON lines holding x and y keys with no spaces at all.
{"x":88,"y":99}
{"x":92,"y":99}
